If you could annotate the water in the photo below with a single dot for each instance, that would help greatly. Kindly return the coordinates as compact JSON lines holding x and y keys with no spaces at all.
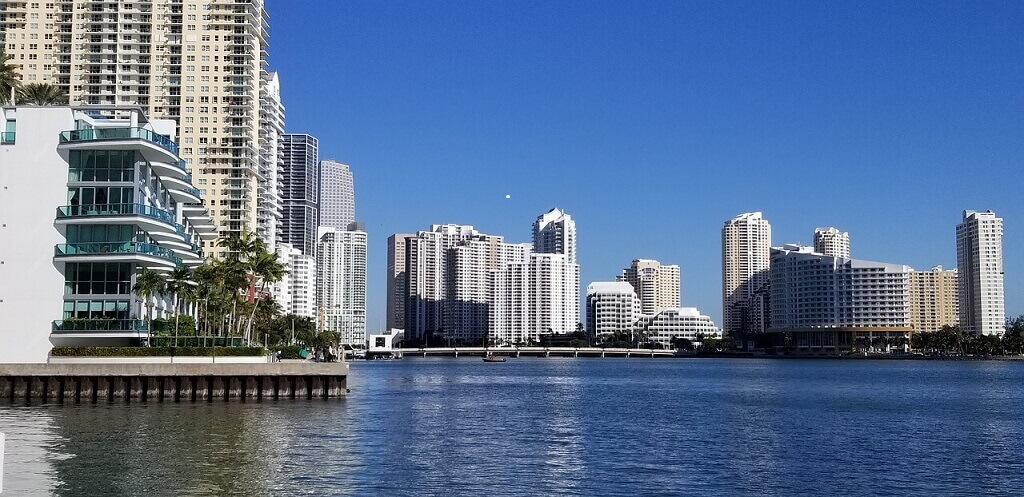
{"x":555,"y":427}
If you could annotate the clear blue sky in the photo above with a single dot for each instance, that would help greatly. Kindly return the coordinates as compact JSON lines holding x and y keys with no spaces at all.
{"x":653,"y":122}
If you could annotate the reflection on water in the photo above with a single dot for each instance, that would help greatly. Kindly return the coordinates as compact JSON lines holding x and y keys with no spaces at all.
{"x":535,"y":426}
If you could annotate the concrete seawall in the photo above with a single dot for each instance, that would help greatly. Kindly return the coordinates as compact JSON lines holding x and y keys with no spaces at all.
{"x":92,"y":383}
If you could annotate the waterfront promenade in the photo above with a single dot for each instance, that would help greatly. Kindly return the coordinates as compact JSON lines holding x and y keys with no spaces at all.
{"x":535,"y":352}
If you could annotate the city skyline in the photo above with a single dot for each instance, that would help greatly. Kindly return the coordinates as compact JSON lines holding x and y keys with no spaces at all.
{"x":652,"y":131}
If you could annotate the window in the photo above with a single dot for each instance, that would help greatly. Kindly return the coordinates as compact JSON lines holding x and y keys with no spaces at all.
{"x":101,"y":165}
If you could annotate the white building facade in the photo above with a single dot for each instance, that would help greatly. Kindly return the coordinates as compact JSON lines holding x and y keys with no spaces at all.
{"x":746,"y":252}
{"x":270,"y":210}
{"x":124,"y":202}
{"x":979,"y":262}
{"x":295,"y":292}
{"x":681,"y":322}
{"x":612,"y":307}
{"x":337,"y":201}
{"x":341,"y":282}
{"x":832,"y":242}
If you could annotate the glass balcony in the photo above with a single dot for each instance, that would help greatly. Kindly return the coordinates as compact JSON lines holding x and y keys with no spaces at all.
{"x":80,"y":135}
{"x":7,"y":137}
{"x":102,"y":248}
{"x":96,"y":325}
{"x":114,"y":210}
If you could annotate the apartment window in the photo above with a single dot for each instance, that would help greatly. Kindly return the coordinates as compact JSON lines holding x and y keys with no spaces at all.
{"x":97,"y":278}
{"x":101,"y":165}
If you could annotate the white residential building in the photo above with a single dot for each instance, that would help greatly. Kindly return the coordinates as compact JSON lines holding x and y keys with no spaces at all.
{"x":933,"y":299}
{"x":830,"y":241}
{"x":200,"y":64}
{"x":656,"y":285}
{"x":337,"y":202}
{"x":979,"y":262}
{"x":680,"y":322}
{"x":746,"y":247}
{"x":612,"y":307}
{"x":554,"y":232}
{"x":124,"y":202}
{"x":270,"y":209}
{"x":341,"y":282}
{"x":296,"y":291}
{"x":534,"y":297}
{"x":469,"y":295}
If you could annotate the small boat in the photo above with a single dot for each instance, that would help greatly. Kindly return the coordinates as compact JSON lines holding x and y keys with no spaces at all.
{"x":490,"y":357}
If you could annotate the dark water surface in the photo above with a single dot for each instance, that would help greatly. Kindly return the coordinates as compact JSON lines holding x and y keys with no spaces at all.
{"x":555,"y":426}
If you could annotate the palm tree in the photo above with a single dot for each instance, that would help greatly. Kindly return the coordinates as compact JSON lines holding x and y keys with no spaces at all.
{"x":9,"y":77}
{"x":147,"y":284}
{"x":181,"y":285}
{"x":242,"y":247}
{"x":41,"y":94}
{"x":266,"y":268}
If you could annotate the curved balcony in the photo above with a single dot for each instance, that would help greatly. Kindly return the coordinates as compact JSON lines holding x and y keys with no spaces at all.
{"x":117,"y":252}
{"x":121,"y":139}
{"x":181,"y":190}
{"x":154,"y":220}
{"x":174,"y":170}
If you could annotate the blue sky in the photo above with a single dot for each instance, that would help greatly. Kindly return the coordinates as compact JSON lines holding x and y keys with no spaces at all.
{"x":653,"y":122}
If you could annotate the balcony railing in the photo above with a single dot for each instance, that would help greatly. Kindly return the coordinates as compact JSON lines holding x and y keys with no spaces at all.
{"x":102,"y":248}
{"x":115,"y":210}
{"x":87,"y":325}
{"x":79,"y":135}
{"x":7,"y":137}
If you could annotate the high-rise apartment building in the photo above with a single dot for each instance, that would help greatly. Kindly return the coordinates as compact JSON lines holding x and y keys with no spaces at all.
{"x":811,"y":292}
{"x":295,"y":292}
{"x":933,"y":299}
{"x":540,"y":295}
{"x":832,"y":242}
{"x":198,"y":62}
{"x":300,"y":192}
{"x":612,"y":307}
{"x":427,"y":277}
{"x":468,"y":297}
{"x":337,"y":202}
{"x":341,"y":282}
{"x":656,"y":285}
{"x":554,"y":232}
{"x":124,"y":204}
{"x":397,"y":286}
{"x":269,"y":209}
{"x":746,"y":247}
{"x":979,"y":262}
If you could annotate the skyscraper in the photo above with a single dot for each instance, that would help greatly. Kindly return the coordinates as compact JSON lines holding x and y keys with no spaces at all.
{"x":832,"y":242}
{"x":469,"y":294}
{"x":337,"y":203}
{"x":656,"y":285}
{"x":427,"y":283}
{"x":746,"y":251}
{"x":269,"y":210}
{"x":554,"y":232}
{"x":341,"y":282}
{"x":612,"y":307}
{"x":202,"y":64}
{"x":300,"y":192}
{"x":398,"y":279}
{"x":933,"y":299}
{"x":979,"y":261}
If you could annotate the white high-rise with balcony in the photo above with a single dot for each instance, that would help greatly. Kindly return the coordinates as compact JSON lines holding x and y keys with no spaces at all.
{"x":295,"y":292}
{"x":341,"y":282}
{"x":124,"y":203}
{"x":656,"y":284}
{"x":979,"y":262}
{"x":746,"y":252}
{"x":832,"y":242}
{"x":270,"y":210}
{"x":612,"y":307}
{"x":200,"y":63}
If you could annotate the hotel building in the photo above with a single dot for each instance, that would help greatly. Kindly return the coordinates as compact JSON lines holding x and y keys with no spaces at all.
{"x":94,"y":195}
{"x":612,"y":307}
{"x":680,"y":322}
{"x":979,"y":262}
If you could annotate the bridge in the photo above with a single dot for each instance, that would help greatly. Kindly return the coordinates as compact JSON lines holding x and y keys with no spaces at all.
{"x":535,"y":352}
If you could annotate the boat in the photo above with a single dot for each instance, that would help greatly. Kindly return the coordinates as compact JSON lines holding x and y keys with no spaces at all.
{"x":490,"y":357}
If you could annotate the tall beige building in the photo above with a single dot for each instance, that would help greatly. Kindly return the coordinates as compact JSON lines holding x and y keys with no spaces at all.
{"x":933,"y":299}
{"x":746,"y":255}
{"x":201,"y":63}
{"x":832,"y":242}
{"x":979,"y":262}
{"x":655,"y":284}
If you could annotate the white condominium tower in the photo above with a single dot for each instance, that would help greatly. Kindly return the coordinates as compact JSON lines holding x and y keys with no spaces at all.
{"x":201,"y":63}
{"x":746,"y":250}
{"x":271,"y":156}
{"x":933,"y":299}
{"x":554,"y":232}
{"x":300,"y":191}
{"x":979,"y":262}
{"x":656,"y":285}
{"x":337,"y":202}
{"x":92,"y":197}
{"x":341,"y":282}
{"x":612,"y":307}
{"x":295,"y":292}
{"x":469,"y":295}
{"x":830,"y":241}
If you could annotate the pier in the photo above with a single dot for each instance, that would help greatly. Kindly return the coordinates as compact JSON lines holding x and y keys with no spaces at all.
{"x":95,"y":383}
{"x":535,"y":352}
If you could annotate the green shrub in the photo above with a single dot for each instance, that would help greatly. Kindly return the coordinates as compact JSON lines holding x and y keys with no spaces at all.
{"x":290,"y":352}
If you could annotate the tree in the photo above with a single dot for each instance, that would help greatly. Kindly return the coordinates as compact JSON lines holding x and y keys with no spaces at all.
{"x":41,"y":94}
{"x":9,"y":77}
{"x":265,"y":268}
{"x":180,"y":284}
{"x":147,"y":284}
